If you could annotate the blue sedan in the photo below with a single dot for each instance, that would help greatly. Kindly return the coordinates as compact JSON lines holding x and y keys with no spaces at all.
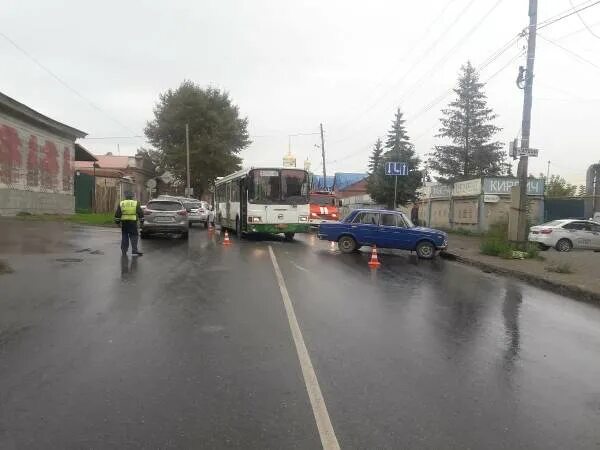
{"x":385,"y":229}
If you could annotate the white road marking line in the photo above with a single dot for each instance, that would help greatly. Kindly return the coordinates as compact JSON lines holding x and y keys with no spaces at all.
{"x":326,"y":432}
{"x":299,"y":267}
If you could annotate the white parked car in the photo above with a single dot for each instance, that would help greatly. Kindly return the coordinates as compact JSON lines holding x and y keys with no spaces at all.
{"x":566,"y":234}
{"x":199,"y":211}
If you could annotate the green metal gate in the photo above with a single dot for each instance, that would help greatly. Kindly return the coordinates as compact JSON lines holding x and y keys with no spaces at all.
{"x":84,"y":192}
{"x":563,"y":208}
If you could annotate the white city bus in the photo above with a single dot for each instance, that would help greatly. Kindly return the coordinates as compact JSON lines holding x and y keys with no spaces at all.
{"x":263,"y":200}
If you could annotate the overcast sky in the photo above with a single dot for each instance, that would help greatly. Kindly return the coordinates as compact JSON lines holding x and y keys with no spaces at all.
{"x":290,"y":65}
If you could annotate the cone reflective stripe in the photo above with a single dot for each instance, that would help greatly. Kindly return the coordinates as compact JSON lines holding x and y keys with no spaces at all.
{"x":374,"y":262}
{"x":226,"y":240}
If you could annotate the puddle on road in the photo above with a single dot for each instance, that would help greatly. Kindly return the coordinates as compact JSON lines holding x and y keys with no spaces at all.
{"x":69,"y":260}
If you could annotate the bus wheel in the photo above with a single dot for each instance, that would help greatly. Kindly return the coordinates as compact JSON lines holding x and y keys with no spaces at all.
{"x":289,"y":236}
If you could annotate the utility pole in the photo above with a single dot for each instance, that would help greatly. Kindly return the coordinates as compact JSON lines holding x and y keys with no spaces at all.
{"x":526,"y":123}
{"x":323,"y":155}
{"x":548,"y":173}
{"x":187,"y":157}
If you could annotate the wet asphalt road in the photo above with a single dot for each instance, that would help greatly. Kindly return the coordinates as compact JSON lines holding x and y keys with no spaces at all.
{"x":190,"y":347}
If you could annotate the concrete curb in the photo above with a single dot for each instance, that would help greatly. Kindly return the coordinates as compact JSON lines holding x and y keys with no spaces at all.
{"x":573,"y":291}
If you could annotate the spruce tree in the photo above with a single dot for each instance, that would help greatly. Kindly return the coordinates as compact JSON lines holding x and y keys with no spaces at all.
{"x":375,"y":158}
{"x":468,"y":124}
{"x":397,"y":149}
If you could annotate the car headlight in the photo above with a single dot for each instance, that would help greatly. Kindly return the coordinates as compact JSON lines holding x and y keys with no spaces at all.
{"x":333,"y":215}
{"x":314,"y":214}
{"x":254,"y":219}
{"x":303,"y":218}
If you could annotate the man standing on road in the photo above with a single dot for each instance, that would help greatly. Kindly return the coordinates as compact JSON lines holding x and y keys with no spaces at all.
{"x":127,"y":214}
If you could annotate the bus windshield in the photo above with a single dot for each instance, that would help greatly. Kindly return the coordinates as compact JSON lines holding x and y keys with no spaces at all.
{"x":294,"y":187}
{"x":271,"y":186}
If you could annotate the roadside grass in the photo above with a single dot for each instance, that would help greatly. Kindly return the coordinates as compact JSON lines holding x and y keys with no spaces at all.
{"x":495,"y":243}
{"x":560,"y":268}
{"x":97,"y":219}
{"x":5,"y":267}
{"x":459,"y":231}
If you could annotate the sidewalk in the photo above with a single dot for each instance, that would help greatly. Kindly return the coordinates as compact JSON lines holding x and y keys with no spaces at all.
{"x":582,"y":284}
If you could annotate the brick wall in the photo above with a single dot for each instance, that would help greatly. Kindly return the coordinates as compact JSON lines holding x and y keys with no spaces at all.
{"x":35,"y":161}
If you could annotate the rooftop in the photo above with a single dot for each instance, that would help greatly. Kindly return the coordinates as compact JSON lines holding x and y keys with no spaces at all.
{"x":29,"y":115}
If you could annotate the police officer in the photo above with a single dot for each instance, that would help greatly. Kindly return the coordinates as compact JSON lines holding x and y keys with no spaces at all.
{"x":127,"y":214}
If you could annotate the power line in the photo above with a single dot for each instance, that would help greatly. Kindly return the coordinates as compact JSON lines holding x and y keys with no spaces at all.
{"x":442,"y":60}
{"x":411,"y":68}
{"x":551,"y":21}
{"x":114,"y":137}
{"x":446,"y":93}
{"x":573,"y":33}
{"x":571,"y":52}
{"x":584,"y":22}
{"x":486,"y":62}
{"x":61,"y":81}
{"x":409,"y":53}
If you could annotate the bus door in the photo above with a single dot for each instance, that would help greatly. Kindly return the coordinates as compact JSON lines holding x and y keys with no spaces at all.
{"x":243,"y":196}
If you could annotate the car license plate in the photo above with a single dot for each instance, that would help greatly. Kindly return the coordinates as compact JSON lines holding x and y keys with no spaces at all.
{"x":164,"y":219}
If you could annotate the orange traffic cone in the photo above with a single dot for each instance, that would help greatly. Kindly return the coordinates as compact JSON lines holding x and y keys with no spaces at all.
{"x":226,"y":240}
{"x":374,"y":262}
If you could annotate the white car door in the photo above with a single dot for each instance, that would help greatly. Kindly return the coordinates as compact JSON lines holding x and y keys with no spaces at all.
{"x":595,"y":236}
{"x":582,"y":235}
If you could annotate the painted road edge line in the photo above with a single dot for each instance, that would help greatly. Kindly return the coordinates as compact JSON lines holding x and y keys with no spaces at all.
{"x":326,"y":432}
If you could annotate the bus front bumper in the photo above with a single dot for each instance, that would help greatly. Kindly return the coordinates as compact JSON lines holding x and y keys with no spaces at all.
{"x":278,"y":228}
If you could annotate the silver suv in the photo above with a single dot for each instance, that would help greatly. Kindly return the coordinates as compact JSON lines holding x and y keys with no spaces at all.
{"x":165,"y":216}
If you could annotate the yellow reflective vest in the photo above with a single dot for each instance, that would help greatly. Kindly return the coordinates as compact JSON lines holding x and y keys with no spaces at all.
{"x":128,"y":210}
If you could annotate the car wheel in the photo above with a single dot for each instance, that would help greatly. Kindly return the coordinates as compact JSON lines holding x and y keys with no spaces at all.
{"x":185,"y":235}
{"x":289,"y":236}
{"x":564,"y":245}
{"x":347,"y":244}
{"x":190,"y":224}
{"x":425,"y":250}
{"x":143,"y":235}
{"x":206,"y":224}
{"x":543,"y":247}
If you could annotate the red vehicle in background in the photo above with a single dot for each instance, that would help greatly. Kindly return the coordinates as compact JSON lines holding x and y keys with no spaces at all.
{"x":323,"y":208}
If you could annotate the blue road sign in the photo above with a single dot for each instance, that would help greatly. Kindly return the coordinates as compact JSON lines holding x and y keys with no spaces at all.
{"x":396,"y":168}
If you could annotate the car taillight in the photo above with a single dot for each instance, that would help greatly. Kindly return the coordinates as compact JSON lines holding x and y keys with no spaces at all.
{"x":183,"y":212}
{"x":147,"y":212}
{"x":546,"y":231}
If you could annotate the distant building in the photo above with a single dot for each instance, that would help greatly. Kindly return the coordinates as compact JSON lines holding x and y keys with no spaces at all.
{"x":289,"y":160}
{"x":36,"y":161}
{"x":137,"y":170}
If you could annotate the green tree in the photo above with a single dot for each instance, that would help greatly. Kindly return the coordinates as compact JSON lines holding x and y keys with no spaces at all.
{"x":217,"y":134}
{"x":397,"y":149}
{"x":467,"y":123}
{"x":557,"y":186}
{"x":375,"y":158}
{"x":581,"y":191}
